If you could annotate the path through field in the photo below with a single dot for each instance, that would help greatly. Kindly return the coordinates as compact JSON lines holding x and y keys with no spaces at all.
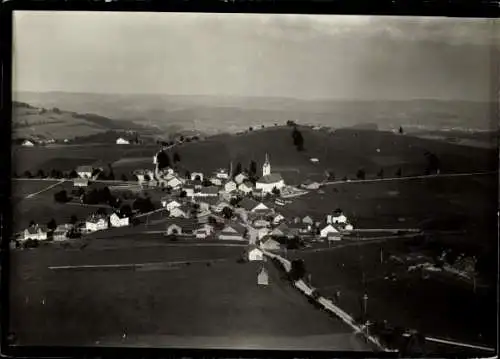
{"x":45,"y":189}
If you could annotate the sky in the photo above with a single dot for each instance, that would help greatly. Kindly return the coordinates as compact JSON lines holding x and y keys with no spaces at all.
{"x":297,"y":56}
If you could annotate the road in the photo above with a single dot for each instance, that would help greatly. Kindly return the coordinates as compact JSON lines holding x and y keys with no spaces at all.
{"x":31,"y":195}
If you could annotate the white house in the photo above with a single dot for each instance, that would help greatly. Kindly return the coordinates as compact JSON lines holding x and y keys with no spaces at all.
{"x":118,"y":221}
{"x":230,"y":186}
{"x":170,"y":204}
{"x":204,"y":231}
{"x":189,"y":190}
{"x":61,"y":232}
{"x":336,"y":218}
{"x":96,"y":223}
{"x":211,"y":191}
{"x":122,"y":141}
{"x":179,"y":212}
{"x":240,"y":178}
{"x":349,"y":227}
{"x":196,"y":176}
{"x":255,"y":254}
{"x":174,"y":182}
{"x":260,"y":207}
{"x":180,"y":226}
{"x":28,"y":143}
{"x":270,"y":244}
{"x":84,"y":171}
{"x":233,"y":232}
{"x":220,"y":205}
{"x":278,"y":218}
{"x":269,"y":180}
{"x":262,"y":232}
{"x":216,"y":181}
{"x":222,"y":174}
{"x":80,"y":182}
{"x":261,"y":223}
{"x":246,"y":187}
{"x":35,"y":232}
{"x":314,"y":160}
{"x":324,"y":232}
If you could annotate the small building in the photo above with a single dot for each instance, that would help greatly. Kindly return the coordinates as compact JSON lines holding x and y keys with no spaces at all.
{"x":219,"y":207}
{"x":180,"y":226}
{"x":269,"y":244}
{"x":261,"y":208}
{"x":211,"y":191}
{"x":222,"y":174}
{"x":255,"y":254}
{"x":240,"y":178}
{"x":189,"y":189}
{"x":308,"y":220}
{"x":232,"y":232}
{"x":62,"y":231}
{"x":261,"y":223}
{"x":246,"y":187}
{"x":314,"y":160}
{"x":263,"y":277}
{"x":280,"y":231}
{"x":248,"y":204}
{"x":230,"y":186}
{"x":117,"y":220}
{"x":122,"y":141}
{"x":174,"y":182}
{"x":216,"y":181}
{"x":180,"y":212}
{"x":27,"y":143}
{"x":35,"y":232}
{"x":205,"y":231}
{"x":96,"y":223}
{"x":325,"y":231}
{"x":169,"y":203}
{"x":197,"y":176}
{"x":80,"y":182}
{"x":333,"y":236}
{"x":278,"y":218}
{"x":262,"y":232}
{"x":84,"y":171}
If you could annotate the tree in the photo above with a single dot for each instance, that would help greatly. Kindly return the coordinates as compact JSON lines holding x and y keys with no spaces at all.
{"x":298,"y":140}
{"x":298,"y":270}
{"x":53,"y":173}
{"x":252,"y":170}
{"x":401,"y":130}
{"x":40,"y":173}
{"x":27,"y":174}
{"x":290,"y":123}
{"x":73,"y":174}
{"x":61,"y":197}
{"x":163,"y":160}
{"x":250,"y":129}
{"x":176,"y":158}
{"x":187,"y":174}
{"x":380,"y":173}
{"x":361,"y":174}
{"x":124,"y":177}
{"x":52,"y":225}
{"x":147,"y":178}
{"x":399,"y":172}
{"x":433,"y":163}
{"x":73,"y":219}
{"x":126,"y":210}
{"x":183,"y":194}
{"x":206,"y":182}
{"x":227,"y":212}
{"x":101,"y":211}
{"x":276,"y":191}
{"x":237,"y":169}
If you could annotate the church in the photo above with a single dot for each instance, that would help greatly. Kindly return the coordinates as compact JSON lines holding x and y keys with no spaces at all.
{"x":269,"y":180}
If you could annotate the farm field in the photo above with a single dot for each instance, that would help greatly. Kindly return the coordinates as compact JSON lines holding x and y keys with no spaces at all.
{"x":435,"y":306}
{"x":218,"y":301}
{"x":42,"y":207}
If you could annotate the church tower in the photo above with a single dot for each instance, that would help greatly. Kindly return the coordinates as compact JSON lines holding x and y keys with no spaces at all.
{"x":266,"y":168}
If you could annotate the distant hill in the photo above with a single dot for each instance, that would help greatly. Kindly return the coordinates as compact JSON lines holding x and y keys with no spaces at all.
{"x":232,"y":114}
{"x":29,"y":121}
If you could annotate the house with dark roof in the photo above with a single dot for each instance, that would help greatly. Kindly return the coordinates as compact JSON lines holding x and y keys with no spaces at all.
{"x":84,"y":171}
{"x":210,"y":191}
{"x":232,"y":231}
{"x":182,"y":211}
{"x":206,"y":203}
{"x":248,"y":204}
{"x":269,"y":244}
{"x":246,"y":187}
{"x":180,"y":226}
{"x":35,"y":232}
{"x":62,"y":231}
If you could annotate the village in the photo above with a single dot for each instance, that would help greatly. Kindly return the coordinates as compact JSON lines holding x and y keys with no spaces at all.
{"x":224,"y":205}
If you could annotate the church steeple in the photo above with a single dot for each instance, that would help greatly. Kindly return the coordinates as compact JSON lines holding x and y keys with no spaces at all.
{"x":266,"y":168}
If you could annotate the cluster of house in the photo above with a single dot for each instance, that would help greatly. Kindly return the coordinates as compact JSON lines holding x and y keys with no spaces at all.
{"x":32,"y":142}
{"x":95,"y":222}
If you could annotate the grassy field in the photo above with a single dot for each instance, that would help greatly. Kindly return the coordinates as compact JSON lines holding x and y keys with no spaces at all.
{"x":435,"y":306}
{"x":42,"y":207}
{"x":217,"y":301}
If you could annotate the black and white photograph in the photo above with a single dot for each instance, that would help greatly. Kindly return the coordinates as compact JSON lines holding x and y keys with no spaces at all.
{"x":254,"y":181}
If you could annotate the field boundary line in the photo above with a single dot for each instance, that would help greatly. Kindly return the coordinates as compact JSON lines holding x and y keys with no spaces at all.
{"x":45,"y":189}
{"x":452,"y":342}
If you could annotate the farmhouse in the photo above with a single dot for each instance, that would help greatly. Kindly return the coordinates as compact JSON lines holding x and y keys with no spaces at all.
{"x":219,"y":207}
{"x":222,"y":174}
{"x":62,"y":231}
{"x":246,"y":187}
{"x":325,"y":231}
{"x":28,"y":143}
{"x":80,"y":182}
{"x":255,"y":254}
{"x":206,"y":203}
{"x":263,"y":277}
{"x":269,"y":181}
{"x":308,"y":220}
{"x":96,"y":223}
{"x":174,"y":182}
{"x":240,"y":178}
{"x":216,"y":181}
{"x":269,"y":244}
{"x":122,"y":141}
{"x":230,"y":186}
{"x":35,"y":232}
{"x":84,"y":171}
{"x":232,"y":232}
{"x":337,"y":217}
{"x":197,"y":176}
{"x":189,"y":190}
{"x":262,"y":232}
{"x":117,"y":220}
{"x":261,"y":223}
{"x":180,"y":226}
{"x":248,"y":204}
{"x":280,"y":231}
{"x":278,"y":218}
{"x":169,"y":203}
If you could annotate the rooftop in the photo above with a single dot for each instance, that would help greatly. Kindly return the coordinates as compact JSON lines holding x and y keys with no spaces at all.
{"x":271,"y":178}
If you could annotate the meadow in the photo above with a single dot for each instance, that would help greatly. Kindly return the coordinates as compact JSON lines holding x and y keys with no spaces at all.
{"x":220,"y":300}
{"x":436,"y":306}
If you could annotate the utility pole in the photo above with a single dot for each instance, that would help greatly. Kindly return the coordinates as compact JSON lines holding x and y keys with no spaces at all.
{"x":365,"y":306}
